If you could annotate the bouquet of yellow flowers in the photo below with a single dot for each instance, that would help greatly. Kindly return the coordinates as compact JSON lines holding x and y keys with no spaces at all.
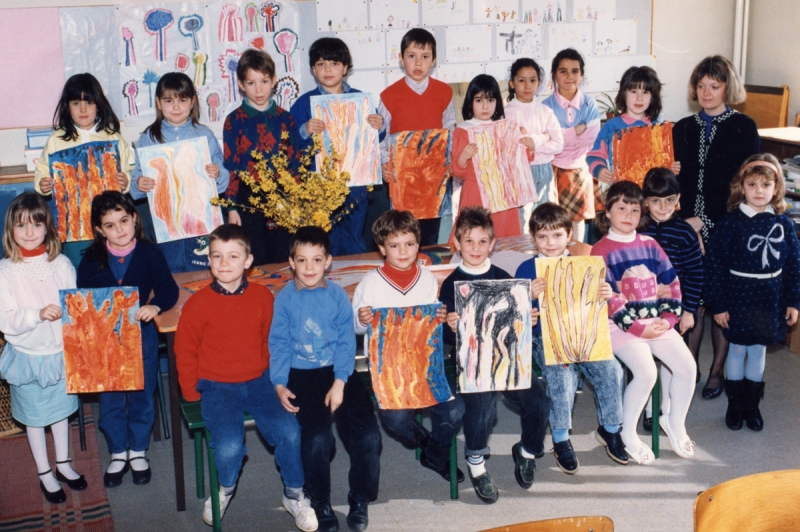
{"x":293,"y":201}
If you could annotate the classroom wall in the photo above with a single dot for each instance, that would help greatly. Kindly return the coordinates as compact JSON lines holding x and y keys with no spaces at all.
{"x":773,"y":42}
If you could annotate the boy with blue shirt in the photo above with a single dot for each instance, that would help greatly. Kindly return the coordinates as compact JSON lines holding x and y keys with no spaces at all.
{"x":330,"y":61}
{"x":313,"y":347}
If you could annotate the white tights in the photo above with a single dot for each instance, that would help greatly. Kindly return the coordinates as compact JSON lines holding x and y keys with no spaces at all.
{"x":579,"y":230}
{"x":638,"y":356}
{"x":36,"y":439}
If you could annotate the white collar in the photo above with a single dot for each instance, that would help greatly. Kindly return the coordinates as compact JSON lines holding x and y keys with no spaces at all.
{"x":750,"y":212}
{"x":616,"y":237}
{"x":417,"y":86}
{"x":476,"y":122}
{"x":480,"y":270}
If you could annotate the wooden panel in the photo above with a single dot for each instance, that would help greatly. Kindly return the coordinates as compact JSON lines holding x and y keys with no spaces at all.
{"x":595,"y":523}
{"x":768,"y":106}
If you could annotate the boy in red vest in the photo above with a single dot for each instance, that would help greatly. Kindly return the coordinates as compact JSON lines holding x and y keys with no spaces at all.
{"x":416,"y":102}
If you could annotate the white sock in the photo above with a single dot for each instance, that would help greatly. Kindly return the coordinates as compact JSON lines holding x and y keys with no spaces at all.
{"x":60,"y":431}
{"x":477,"y":465}
{"x":526,"y":454}
{"x":39,"y":450}
{"x":116,"y":467}
{"x":137,"y":465}
{"x":228,"y":490}
{"x":293,"y":493}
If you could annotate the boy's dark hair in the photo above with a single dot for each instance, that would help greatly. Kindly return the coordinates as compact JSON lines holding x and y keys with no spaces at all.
{"x":640,"y":78}
{"x":519,"y":64}
{"x":471,"y":217}
{"x":257,"y":60}
{"x":483,"y":84}
{"x":330,"y":49}
{"x":310,"y":235}
{"x":394,"y":221}
{"x":110,"y":200}
{"x":229,"y":232}
{"x":660,"y":183}
{"x":548,"y":217}
{"x":176,"y":85}
{"x":84,"y":87}
{"x":421,"y":38}
{"x":567,"y":53}
{"x":628,"y":192}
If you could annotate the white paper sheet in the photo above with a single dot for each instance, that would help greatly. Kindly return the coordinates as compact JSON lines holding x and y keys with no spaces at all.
{"x":459,"y":72}
{"x":393,"y":38}
{"x":543,"y":11}
{"x":393,"y":14}
{"x":373,"y":81}
{"x":443,"y":12}
{"x":500,"y":11}
{"x":367,"y":47}
{"x":332,"y":17}
{"x":465,"y":44}
{"x":615,"y":37}
{"x":576,"y":35}
{"x":518,"y":40}
{"x":593,"y":10}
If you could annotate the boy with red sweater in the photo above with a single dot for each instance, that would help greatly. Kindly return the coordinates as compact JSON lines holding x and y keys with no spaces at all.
{"x":231,"y":372}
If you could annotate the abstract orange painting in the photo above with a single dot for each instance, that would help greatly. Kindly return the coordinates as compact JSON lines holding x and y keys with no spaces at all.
{"x":638,"y":149}
{"x":419,"y":178}
{"x":102,"y":340}
{"x":80,"y":174}
{"x":404,"y":348}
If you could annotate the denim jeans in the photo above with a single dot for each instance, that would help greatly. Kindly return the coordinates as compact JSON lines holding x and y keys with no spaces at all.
{"x":562,"y":382}
{"x":126,"y":418}
{"x":223,"y":407}
{"x":445,"y":419}
{"x":355,"y":423}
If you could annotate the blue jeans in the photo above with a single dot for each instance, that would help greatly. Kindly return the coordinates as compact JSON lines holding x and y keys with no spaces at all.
{"x":445,"y":418}
{"x":346,"y":234}
{"x":126,"y":418}
{"x":223,"y":407}
{"x":562,"y":382}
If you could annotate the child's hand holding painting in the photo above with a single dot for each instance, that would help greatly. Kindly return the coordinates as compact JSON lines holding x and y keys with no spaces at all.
{"x":212,"y":170}
{"x":365,"y":315}
{"x":147,"y":313}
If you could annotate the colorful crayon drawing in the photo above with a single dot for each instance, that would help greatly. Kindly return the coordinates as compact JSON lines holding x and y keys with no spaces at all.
{"x":181,"y":200}
{"x":230,"y":24}
{"x":182,"y":63}
{"x":404,"y":349}
{"x":286,"y":43}
{"x":189,"y":26}
{"x":79,"y":174}
{"x":130,"y":54}
{"x":251,"y":16}
{"x":156,"y":22}
{"x":150,"y":78}
{"x":493,"y":336}
{"x":130,"y":89}
{"x":348,"y":133}
{"x":271,"y":13}
{"x":228,"y":63}
{"x":286,"y":90}
{"x":420,"y":172}
{"x":213,"y":101}
{"x":501,"y":166}
{"x":102,"y":340}
{"x":574,"y":319}
{"x":638,"y":149}
{"x":200,"y":61}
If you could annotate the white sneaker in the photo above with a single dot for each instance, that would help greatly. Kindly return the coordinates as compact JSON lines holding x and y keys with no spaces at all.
{"x":304,"y":517}
{"x":208,"y":518}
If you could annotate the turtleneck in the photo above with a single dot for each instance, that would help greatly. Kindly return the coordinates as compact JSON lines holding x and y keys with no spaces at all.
{"x":709,"y":121}
{"x":404,"y":279}
{"x":121,"y":252}
{"x":618,"y":237}
{"x":27,"y":254}
{"x":479,"y":270}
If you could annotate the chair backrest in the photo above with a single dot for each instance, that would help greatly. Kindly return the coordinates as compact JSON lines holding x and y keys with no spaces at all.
{"x":768,"y":106}
{"x":591,"y":523}
{"x":765,"y":502}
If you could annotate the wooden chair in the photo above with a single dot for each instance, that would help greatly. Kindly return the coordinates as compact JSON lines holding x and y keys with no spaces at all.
{"x":768,"y":106}
{"x":765,"y":502}
{"x":592,"y":523}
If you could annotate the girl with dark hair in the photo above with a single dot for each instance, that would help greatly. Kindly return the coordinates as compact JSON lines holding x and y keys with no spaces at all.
{"x":120,"y":256}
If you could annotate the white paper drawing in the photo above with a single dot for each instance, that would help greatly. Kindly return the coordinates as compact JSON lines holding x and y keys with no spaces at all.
{"x":388,"y":14}
{"x":466,"y":44}
{"x":500,"y":11}
{"x":331,"y":16}
{"x":499,"y":70}
{"x":444,"y":12}
{"x":577,"y":35}
{"x":543,"y":11}
{"x":373,"y":81}
{"x":367,"y":47}
{"x":615,"y":37}
{"x":393,"y":38}
{"x":593,"y":10}
{"x":518,"y":40}
{"x":459,"y":72}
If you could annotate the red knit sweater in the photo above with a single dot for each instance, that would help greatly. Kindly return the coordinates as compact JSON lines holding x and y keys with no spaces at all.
{"x":223,"y":338}
{"x":413,"y":112}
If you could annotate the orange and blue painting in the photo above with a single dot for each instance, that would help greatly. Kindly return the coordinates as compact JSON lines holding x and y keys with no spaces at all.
{"x":181,"y":200}
{"x":493,"y":335}
{"x":638,"y":149}
{"x":80,"y":174}
{"x":348,"y":133}
{"x":404,"y":349}
{"x":420,"y":179}
{"x":102,"y":340}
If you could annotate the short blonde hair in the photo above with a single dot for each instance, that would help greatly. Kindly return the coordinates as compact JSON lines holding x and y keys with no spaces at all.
{"x":719,"y":69}
{"x":30,"y":206}
{"x":759,"y":172}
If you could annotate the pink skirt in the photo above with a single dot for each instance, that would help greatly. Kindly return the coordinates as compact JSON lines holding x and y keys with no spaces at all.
{"x":620,"y":338}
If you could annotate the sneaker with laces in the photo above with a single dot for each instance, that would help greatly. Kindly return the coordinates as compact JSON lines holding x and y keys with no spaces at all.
{"x":224,"y":500}
{"x":485,"y":488}
{"x":304,"y":517}
{"x":615,"y":449}
{"x":565,"y":457}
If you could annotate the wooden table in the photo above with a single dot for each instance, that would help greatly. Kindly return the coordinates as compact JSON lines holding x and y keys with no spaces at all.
{"x":782,"y":142}
{"x":15,"y":174}
{"x":168,"y":323}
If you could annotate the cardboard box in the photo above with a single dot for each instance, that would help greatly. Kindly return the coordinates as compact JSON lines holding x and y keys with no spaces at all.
{"x":32,"y":158}
{"x":37,"y":137}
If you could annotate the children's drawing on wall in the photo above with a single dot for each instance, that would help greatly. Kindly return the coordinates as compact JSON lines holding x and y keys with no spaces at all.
{"x":189,"y":26}
{"x":539,"y":12}
{"x":419,"y":162}
{"x":574,"y":319}
{"x":213,"y":102}
{"x":130,"y":89}
{"x":593,"y":10}
{"x":200,"y":62}
{"x":393,"y":39}
{"x":493,"y":335}
{"x":615,"y":37}
{"x":130,"y":54}
{"x":156,"y":22}
{"x":638,"y":149}
{"x":576,"y":35}
{"x":518,"y":40}
{"x":458,"y":72}
{"x":270,"y":12}
{"x":286,"y":43}
{"x":366,"y":47}
{"x":286,"y":91}
{"x":393,"y":14}
{"x":102,"y":339}
{"x":230,"y":27}
{"x":468,"y":43}
{"x":444,"y":12}
{"x":406,"y":360}
{"x":331,"y":16}
{"x":150,"y":78}
{"x":182,"y":63}
{"x":251,"y":14}
{"x":227,"y":64}
{"x":500,"y":11}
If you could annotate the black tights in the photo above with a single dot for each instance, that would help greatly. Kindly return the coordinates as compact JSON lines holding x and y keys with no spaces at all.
{"x":720,"y":344}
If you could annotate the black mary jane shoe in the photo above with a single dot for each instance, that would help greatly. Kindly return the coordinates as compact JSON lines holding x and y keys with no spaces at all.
{"x":112,"y":480}
{"x":141,"y":477}
{"x":78,"y":484}
{"x":53,"y":497}
{"x":714,"y":386}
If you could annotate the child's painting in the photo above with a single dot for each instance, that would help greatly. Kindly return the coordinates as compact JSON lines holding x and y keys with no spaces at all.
{"x":393,"y":14}
{"x":333,"y":16}
{"x":638,"y":149}
{"x":420,"y":172}
{"x":615,"y":37}
{"x":501,"y":166}
{"x":181,"y":200}
{"x":486,"y":11}
{"x":102,"y":340}
{"x":493,"y":335}
{"x":404,"y":348}
{"x":593,"y":10}
{"x":514,"y":40}
{"x":574,"y":319}
{"x":577,"y":35}
{"x":466,"y":44}
{"x":80,"y":174}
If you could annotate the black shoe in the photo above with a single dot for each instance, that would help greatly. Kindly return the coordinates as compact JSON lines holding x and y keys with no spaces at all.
{"x":112,"y":480}
{"x":326,"y":519}
{"x":565,"y":457}
{"x":357,"y":519}
{"x":141,"y":477}
{"x":647,"y":424}
{"x":735,"y":392}
{"x":524,"y":468}
{"x":78,"y":484}
{"x":615,"y":449}
{"x":485,"y":488}
{"x":754,"y":391}
{"x":436,"y":457}
{"x":713,"y":388}
{"x":54,"y":497}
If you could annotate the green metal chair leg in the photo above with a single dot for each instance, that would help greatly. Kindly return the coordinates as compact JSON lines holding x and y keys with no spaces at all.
{"x":198,"y":464}
{"x":213,"y":485}
{"x":161,"y":403}
{"x":454,"y":469}
{"x":81,"y":428}
{"x":656,"y":414}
